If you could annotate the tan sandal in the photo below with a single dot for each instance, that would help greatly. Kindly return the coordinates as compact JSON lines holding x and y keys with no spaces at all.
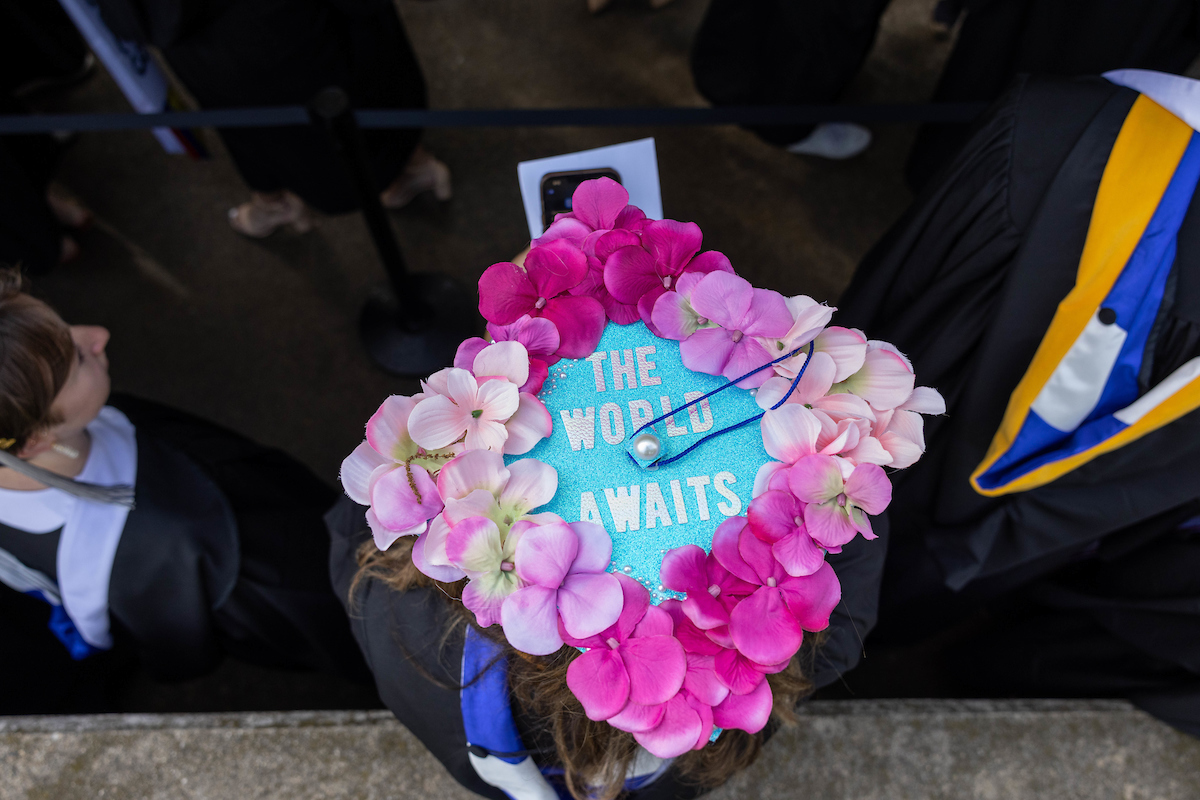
{"x":423,"y":173}
{"x":265,"y":214}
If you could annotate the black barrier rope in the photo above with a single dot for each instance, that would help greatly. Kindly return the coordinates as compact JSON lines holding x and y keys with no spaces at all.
{"x":502,"y":118}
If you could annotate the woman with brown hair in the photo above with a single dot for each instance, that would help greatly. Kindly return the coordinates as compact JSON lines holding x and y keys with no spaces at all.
{"x":147,"y":528}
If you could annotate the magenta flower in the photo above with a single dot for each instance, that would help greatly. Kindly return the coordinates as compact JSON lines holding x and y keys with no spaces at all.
{"x":839,"y":497}
{"x":749,"y":712}
{"x":731,"y":671}
{"x":485,"y":413}
{"x":562,"y":573}
{"x":393,"y":475}
{"x":597,"y":207}
{"x":593,"y":284}
{"x":746,"y":316}
{"x":768,"y":626}
{"x":777,"y":518}
{"x":537,"y":334}
{"x":508,"y":292}
{"x":634,"y":660}
{"x":640,"y":275}
{"x":710,"y":588}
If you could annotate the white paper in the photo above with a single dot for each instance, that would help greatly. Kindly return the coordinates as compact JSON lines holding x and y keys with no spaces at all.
{"x":636,"y":162}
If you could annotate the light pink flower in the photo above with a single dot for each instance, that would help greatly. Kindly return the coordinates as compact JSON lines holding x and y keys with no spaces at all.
{"x":809,"y":318}
{"x":393,"y":475}
{"x":478,"y":484}
{"x":768,"y":626}
{"x":508,"y":292}
{"x":537,"y":334}
{"x":562,"y":572}
{"x":487,"y":413}
{"x":813,"y":385}
{"x":635,"y":660}
{"x":846,"y":346}
{"x":745,"y":315}
{"x":902,"y":431}
{"x":839,"y":497}
{"x":476,"y":547}
{"x":885,"y":379}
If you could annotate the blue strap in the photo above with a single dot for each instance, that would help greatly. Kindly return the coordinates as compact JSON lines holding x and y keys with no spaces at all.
{"x":64,"y":629}
{"x":484,"y":698}
{"x":736,"y":425}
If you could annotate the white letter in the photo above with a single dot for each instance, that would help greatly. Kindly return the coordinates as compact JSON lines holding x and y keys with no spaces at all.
{"x":623,"y":370}
{"x":680,"y":508}
{"x":734,"y":506}
{"x":701,"y":496}
{"x":597,"y":370}
{"x":645,"y":365}
{"x":656,"y":507}
{"x":581,"y":427}
{"x":641,"y":412}
{"x":612,"y":423}
{"x":625,"y":507}
{"x":695,"y":411}
{"x":672,"y":428}
{"x":588,"y":510}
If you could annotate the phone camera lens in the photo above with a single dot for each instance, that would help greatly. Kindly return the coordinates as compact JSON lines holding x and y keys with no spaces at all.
{"x":567,"y":203}
{"x":549,"y":191}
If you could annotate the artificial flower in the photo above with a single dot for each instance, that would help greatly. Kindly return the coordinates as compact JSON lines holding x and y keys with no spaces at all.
{"x":809,"y":318}
{"x":839,"y":496}
{"x":562,"y":571}
{"x":777,"y":517}
{"x":597,"y":207}
{"x":537,"y":335}
{"x":746,"y":316}
{"x":476,"y":547}
{"x":885,"y":379}
{"x":540,"y":289}
{"x":708,"y":585}
{"x":673,"y":315}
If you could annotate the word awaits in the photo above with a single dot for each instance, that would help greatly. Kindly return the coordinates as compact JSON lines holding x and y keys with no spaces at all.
{"x":625,"y":505}
{"x":580,"y":423}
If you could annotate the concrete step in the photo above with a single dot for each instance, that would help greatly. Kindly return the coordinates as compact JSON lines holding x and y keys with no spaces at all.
{"x":865,"y":750}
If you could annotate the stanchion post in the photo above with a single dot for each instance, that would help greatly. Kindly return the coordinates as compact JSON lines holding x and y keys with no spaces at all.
{"x":416,"y":329}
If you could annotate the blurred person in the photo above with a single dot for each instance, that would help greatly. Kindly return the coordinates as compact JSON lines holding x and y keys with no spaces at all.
{"x":1049,"y":284}
{"x":776,"y":52}
{"x":250,"y":53}
{"x":147,"y":529}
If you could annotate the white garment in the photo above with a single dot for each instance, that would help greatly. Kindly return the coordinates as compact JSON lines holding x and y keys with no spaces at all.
{"x":91,"y":531}
{"x":1175,"y":93}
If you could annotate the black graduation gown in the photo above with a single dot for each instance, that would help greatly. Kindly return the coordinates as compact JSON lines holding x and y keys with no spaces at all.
{"x":252,"y":53}
{"x":966,"y":284}
{"x":225,"y":554}
{"x":417,"y":668}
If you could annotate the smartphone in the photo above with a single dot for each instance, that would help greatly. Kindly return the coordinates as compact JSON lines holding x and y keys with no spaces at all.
{"x":557,"y":188}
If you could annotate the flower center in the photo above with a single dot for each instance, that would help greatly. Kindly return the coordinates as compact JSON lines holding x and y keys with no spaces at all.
{"x":714,"y":590}
{"x":667,"y":282}
{"x":798,"y":521}
{"x":506,"y":566}
{"x":737,"y":336}
{"x":701,"y":320}
{"x":771,"y":582}
{"x":841,"y":500}
{"x":613,"y":643}
{"x":541,"y":303}
{"x":477,"y":413}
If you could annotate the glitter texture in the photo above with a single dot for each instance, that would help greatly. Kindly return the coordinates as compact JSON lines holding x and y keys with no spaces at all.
{"x":646,"y":510}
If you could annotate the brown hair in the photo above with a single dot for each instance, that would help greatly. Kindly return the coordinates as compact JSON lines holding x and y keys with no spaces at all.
{"x":594,"y":755}
{"x":36,"y":352}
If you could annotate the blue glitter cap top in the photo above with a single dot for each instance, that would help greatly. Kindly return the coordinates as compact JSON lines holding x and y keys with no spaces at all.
{"x":597,"y":403}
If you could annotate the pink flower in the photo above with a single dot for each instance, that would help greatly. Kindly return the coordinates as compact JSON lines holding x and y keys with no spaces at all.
{"x":477,"y":484}
{"x":640,"y":275}
{"x":673,"y":314}
{"x":597,"y":207}
{"x":809,"y":318}
{"x":537,"y":334}
{"x":393,"y":475}
{"x":593,"y":284}
{"x":901,"y":432}
{"x":846,"y":346}
{"x":476,"y":547}
{"x":777,"y":518}
{"x":562,"y":573}
{"x":745,"y":316}
{"x":813,"y":385}
{"x":488,"y":413}
{"x":768,"y":626}
{"x":885,"y":379}
{"x":635,"y":660}
{"x":731,"y":672}
{"x":710,"y":588}
{"x":508,"y":292}
{"x":839,"y":497}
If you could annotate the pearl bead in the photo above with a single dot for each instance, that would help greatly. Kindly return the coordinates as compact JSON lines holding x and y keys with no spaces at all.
{"x":647,"y":447}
